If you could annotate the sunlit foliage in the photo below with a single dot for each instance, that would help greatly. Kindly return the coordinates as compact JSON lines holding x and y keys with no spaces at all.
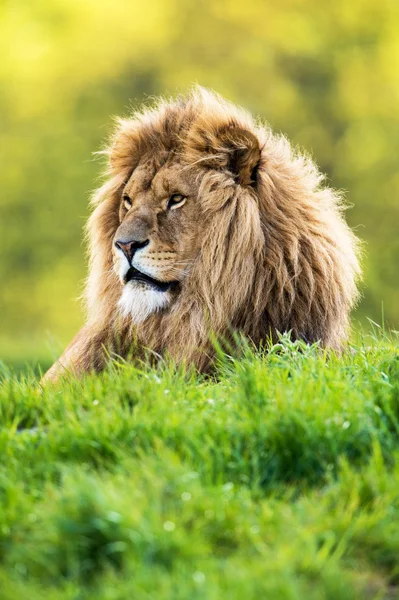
{"x":324,"y":73}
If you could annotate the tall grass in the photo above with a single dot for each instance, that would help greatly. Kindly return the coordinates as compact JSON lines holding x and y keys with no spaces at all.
{"x":278,"y":477}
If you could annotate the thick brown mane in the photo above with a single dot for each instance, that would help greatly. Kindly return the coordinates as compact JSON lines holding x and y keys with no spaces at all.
{"x":275,"y":255}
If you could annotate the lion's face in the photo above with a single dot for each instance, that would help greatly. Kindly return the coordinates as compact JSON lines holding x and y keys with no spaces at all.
{"x":158,"y":237}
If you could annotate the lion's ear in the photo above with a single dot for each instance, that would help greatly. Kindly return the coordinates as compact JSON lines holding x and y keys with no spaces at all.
{"x":243,"y":154}
{"x":228,"y":147}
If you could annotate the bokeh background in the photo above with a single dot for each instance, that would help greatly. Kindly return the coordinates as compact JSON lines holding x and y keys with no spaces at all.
{"x":324,"y":73}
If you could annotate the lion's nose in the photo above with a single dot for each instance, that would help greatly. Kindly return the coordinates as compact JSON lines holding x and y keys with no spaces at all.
{"x":129,"y":248}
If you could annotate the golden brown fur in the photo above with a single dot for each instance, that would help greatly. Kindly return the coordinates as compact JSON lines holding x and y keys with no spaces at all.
{"x":266,"y":245}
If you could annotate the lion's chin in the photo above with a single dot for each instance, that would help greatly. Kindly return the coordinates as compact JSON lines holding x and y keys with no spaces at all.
{"x":139,"y":301}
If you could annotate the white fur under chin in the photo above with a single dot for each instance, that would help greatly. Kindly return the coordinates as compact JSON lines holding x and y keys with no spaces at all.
{"x":139,"y":303}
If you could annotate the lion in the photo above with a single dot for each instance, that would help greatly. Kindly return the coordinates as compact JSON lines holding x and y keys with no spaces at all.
{"x":209,"y":223}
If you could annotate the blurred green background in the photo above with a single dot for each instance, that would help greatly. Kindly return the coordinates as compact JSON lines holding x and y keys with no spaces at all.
{"x":324,"y":73}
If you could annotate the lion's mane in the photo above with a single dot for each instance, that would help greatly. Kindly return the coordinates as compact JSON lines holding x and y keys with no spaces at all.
{"x":276,"y":255}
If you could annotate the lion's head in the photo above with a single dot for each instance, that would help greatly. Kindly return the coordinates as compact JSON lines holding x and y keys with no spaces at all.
{"x":208,"y":222}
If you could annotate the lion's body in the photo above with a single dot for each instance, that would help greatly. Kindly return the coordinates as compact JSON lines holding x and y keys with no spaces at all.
{"x":260,"y":246}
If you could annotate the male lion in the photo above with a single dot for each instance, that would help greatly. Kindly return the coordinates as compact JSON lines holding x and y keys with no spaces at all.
{"x":210,"y":223}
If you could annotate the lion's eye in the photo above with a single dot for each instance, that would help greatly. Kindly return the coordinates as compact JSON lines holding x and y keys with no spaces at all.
{"x":127,"y":203}
{"x":175,"y":201}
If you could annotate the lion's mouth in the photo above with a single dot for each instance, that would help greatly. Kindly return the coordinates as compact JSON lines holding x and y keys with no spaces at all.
{"x":134,"y":274}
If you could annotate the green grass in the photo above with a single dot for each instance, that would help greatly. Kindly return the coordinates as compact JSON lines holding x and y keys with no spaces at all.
{"x":277,"y":478}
